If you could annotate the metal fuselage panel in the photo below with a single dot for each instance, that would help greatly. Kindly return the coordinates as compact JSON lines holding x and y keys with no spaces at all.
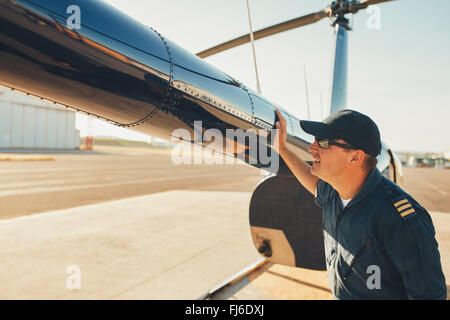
{"x":128,"y":74}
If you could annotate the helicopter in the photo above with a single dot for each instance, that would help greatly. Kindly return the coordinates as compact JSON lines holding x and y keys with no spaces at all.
{"x":116,"y":69}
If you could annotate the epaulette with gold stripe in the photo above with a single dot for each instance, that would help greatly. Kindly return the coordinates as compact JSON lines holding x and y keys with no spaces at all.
{"x":404,"y":207}
{"x":400,"y":202}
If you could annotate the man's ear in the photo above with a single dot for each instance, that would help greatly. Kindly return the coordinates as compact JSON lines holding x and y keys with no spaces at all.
{"x":357,"y":157}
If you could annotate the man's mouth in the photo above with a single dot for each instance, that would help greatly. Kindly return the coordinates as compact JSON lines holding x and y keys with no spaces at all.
{"x":316,"y":161}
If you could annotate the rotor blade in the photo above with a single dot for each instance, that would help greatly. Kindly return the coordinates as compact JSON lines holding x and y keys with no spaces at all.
{"x":363,"y":4}
{"x":371,"y":2}
{"x":284,"y":26}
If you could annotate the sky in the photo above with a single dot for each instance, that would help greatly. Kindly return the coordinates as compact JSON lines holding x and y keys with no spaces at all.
{"x":399,"y":60}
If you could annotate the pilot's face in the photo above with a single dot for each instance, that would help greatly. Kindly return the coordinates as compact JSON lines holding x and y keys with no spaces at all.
{"x":329,"y":163}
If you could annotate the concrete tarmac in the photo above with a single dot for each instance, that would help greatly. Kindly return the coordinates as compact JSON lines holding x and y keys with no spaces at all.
{"x":169,"y":245}
{"x":174,"y":233}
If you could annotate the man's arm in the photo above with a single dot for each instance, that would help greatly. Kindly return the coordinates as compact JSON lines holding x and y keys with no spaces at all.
{"x":299,"y":168}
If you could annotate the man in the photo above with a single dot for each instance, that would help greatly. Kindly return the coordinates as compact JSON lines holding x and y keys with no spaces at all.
{"x":379,"y":242}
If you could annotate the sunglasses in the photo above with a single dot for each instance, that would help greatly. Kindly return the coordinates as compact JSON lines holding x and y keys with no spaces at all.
{"x":325,"y":144}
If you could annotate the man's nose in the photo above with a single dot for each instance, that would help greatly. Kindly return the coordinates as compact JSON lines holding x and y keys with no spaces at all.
{"x":314,"y":147}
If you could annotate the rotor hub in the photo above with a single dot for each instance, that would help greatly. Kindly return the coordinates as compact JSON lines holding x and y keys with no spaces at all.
{"x":338,"y":9}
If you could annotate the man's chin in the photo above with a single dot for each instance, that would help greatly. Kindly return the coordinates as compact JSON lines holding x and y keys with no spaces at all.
{"x":315,"y":172}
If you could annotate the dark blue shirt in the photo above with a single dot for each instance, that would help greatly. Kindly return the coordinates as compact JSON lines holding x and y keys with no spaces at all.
{"x":381,"y":245}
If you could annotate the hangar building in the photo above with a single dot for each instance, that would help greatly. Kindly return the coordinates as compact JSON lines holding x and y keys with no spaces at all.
{"x":30,"y":123}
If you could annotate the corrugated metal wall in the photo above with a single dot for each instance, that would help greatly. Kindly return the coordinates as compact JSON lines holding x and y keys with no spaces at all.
{"x":32,"y":124}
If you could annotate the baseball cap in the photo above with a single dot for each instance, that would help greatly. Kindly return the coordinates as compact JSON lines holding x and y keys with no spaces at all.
{"x":352,"y":126}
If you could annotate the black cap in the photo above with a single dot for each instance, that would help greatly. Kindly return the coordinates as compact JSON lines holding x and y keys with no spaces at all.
{"x":352,"y":126}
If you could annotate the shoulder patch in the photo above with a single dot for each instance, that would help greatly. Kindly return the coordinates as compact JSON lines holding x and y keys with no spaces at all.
{"x":401,"y":203}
